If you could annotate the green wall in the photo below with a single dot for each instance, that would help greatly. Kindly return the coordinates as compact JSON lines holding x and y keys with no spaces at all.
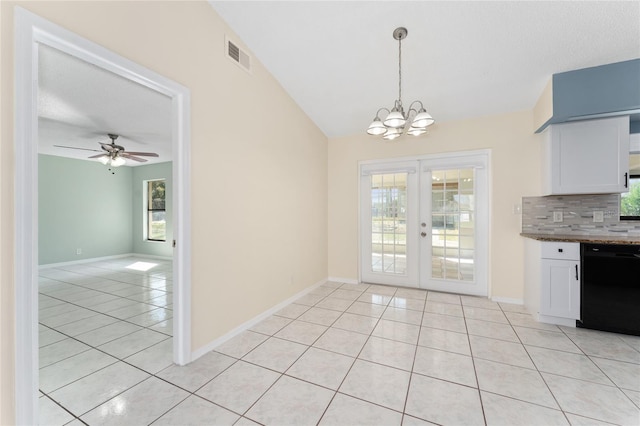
{"x":81,"y":205}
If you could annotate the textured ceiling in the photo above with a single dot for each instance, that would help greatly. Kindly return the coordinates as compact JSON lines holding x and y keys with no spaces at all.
{"x":338,"y":60}
{"x":79,"y":103}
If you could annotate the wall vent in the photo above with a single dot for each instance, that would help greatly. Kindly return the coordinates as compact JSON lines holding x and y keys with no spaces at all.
{"x":237,"y":55}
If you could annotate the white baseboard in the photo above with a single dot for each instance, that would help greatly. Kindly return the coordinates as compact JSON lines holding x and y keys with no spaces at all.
{"x":253,"y":321}
{"x":81,"y":261}
{"x":101,"y":258}
{"x":343,"y":280}
{"x":508,"y":300}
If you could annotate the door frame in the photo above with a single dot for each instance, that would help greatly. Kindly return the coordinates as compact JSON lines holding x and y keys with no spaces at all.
{"x":455,"y":159}
{"x":30,"y":31}
{"x":412,"y":169}
{"x":480,"y":164}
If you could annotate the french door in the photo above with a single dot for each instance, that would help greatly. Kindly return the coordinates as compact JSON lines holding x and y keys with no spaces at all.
{"x":424,"y":223}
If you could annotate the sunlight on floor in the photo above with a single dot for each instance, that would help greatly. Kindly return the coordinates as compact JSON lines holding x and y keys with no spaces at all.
{"x":142,"y":266}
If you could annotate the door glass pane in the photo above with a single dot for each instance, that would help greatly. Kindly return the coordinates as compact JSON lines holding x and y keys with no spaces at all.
{"x":452,"y":221}
{"x":388,"y":223}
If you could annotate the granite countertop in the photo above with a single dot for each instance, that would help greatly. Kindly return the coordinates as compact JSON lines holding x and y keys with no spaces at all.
{"x":596,"y":239}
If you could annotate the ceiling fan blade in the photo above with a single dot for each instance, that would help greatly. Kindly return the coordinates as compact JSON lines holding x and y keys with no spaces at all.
{"x":74,"y":147}
{"x":98,"y":156}
{"x":131,"y":157}
{"x":144,"y":154}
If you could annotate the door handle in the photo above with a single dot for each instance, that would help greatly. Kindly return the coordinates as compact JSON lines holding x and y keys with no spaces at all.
{"x":576,"y":272}
{"x":423,"y":234}
{"x":626,"y":180}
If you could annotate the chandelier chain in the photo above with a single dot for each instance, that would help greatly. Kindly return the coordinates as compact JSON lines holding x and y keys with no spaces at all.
{"x":400,"y":71}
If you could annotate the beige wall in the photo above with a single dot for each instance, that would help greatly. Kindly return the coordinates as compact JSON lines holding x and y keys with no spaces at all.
{"x":515,"y":157}
{"x":259,"y":165}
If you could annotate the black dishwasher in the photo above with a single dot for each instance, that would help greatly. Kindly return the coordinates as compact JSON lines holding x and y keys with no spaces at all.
{"x":610,"y":288}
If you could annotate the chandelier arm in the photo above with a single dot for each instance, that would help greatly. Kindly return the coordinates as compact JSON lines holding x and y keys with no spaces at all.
{"x":381,"y":109}
{"x":416,"y":102}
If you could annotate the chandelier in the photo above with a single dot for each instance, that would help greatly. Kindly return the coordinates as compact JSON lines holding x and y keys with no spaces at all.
{"x":415,"y":121}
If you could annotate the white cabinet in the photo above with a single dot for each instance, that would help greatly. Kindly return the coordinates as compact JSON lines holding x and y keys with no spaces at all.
{"x":587,"y":157}
{"x":552,"y":281}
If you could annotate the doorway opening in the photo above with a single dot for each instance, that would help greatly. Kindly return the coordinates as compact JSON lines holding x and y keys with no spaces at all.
{"x":32,"y":31}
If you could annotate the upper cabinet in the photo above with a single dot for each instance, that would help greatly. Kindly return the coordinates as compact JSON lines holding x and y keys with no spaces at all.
{"x":589,"y":93}
{"x":587,"y":157}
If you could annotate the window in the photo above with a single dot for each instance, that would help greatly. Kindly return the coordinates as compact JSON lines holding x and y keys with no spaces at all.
{"x":630,"y":202}
{"x":156,"y":213}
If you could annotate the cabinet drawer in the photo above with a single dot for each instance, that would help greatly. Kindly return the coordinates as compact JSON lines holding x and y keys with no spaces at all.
{"x":561,"y":251}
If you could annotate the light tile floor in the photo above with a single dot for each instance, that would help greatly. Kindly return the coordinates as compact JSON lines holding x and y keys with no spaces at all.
{"x":341,"y":355}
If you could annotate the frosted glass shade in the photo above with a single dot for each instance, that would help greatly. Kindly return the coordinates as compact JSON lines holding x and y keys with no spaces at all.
{"x":395,"y":119}
{"x":422,"y":120}
{"x":416,"y":131}
{"x":376,"y":128}
{"x":392,"y":134}
{"x":117,"y":162}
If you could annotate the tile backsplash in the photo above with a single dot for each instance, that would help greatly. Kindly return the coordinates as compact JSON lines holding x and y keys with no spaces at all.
{"x":577,"y":215}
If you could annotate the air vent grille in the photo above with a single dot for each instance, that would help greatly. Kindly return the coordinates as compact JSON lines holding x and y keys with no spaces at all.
{"x":238,"y":56}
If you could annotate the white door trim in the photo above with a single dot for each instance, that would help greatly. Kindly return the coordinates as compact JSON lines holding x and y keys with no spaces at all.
{"x":480,"y":163}
{"x":31,"y":30}
{"x":410,"y":278}
{"x":462,"y":159}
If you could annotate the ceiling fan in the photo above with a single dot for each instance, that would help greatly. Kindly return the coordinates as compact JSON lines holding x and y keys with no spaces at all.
{"x":114,"y":155}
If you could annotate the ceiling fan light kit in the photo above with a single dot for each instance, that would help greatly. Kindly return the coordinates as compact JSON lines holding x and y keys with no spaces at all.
{"x":395,"y":123}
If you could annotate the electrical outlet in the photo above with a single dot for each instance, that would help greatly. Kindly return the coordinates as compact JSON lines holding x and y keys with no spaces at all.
{"x":598,"y":216}
{"x":557,"y":216}
{"x":79,"y":251}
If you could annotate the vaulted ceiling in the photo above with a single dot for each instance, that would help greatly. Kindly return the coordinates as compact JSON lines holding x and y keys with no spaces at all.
{"x":339,"y":61}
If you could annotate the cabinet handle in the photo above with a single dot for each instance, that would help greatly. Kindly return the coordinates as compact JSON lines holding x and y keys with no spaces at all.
{"x":576,"y":272}
{"x":626,"y":180}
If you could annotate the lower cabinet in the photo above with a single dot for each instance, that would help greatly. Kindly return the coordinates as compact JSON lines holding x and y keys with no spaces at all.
{"x":552,"y":281}
{"x":560,"y":288}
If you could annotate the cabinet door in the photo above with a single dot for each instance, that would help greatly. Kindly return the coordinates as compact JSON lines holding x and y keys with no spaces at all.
{"x":560,"y":290}
{"x":590,"y":157}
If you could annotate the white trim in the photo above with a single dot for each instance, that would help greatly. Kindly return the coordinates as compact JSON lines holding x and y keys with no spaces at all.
{"x":343,"y":280}
{"x":410,"y":277}
{"x":480,"y":162}
{"x":507,"y":300}
{"x":479,"y":159}
{"x":31,"y":30}
{"x":253,"y":321}
{"x":445,"y":155}
{"x":98,"y":259}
